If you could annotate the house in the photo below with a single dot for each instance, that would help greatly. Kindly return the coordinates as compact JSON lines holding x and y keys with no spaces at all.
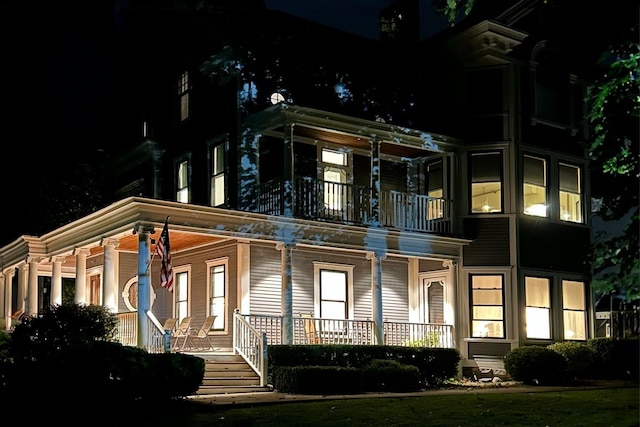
{"x":453,"y":214}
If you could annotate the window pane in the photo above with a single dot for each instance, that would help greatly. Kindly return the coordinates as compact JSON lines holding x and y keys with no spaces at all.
{"x":486,"y":197}
{"x":573,"y":295}
{"x":487,"y":297}
{"x":183,"y":180}
{"x":218,"y":159}
{"x":434,"y":176}
{"x":487,"y":312}
{"x":537,"y":292}
{"x":538,"y":325}
{"x":487,"y":306}
{"x":570,"y":207}
{"x":535,"y":171}
{"x":486,"y":167}
{"x":334,"y":157}
{"x":575,"y":325}
{"x":217,"y":296}
{"x":333,"y":285}
{"x":483,"y":329}
{"x":217,"y":190}
{"x":333,"y":310}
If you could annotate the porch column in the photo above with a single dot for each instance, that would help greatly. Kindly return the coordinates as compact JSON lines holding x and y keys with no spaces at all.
{"x":287,"y":292}
{"x":376,"y":294}
{"x":56,"y":280}
{"x":81,"y":274}
{"x":109,"y":282}
{"x":375,"y":182}
{"x":144,"y":282}
{"x":244,"y":277}
{"x":3,"y":309}
{"x":32,"y":294}
{"x":22,"y":286}
{"x":8,"y":295}
{"x":288,"y":195}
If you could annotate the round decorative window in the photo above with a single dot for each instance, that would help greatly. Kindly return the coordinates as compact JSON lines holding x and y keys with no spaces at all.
{"x":130,"y":294}
{"x":276,"y":98}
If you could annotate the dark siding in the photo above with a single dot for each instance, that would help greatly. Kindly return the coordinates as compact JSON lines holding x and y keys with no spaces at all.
{"x":393,"y":176}
{"x":487,"y":348}
{"x":490,"y":244}
{"x":361,"y":170}
{"x":557,"y":246}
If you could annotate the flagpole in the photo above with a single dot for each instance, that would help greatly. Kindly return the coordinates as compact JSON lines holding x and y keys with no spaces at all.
{"x":153,"y":255}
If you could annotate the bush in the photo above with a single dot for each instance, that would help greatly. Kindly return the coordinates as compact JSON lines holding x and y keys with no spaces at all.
{"x":579,"y":356}
{"x":536,"y":365}
{"x":389,"y":375}
{"x":616,"y":358}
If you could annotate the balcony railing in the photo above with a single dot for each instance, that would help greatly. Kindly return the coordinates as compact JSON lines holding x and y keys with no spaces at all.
{"x":347,"y":203}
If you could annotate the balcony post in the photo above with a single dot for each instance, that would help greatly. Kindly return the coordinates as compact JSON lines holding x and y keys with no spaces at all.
{"x":144,"y":282}
{"x":375,"y":182}
{"x":287,"y":291}
{"x":288,"y":195}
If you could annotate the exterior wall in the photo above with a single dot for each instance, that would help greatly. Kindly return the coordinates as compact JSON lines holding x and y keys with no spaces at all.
{"x":395,"y":290}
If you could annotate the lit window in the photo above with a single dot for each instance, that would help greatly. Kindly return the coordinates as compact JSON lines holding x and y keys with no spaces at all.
{"x":487,"y":306}
{"x":486,"y":182}
{"x":435,"y":190}
{"x":181,"y":293}
{"x":217,"y":154}
{"x":335,"y":177}
{"x":535,"y":186}
{"x":574,"y":314}
{"x":183,"y":95}
{"x":182,"y":194}
{"x":218,"y":293}
{"x":570,"y":193}
{"x":276,"y":98}
{"x":538,"y":307}
{"x":333,"y":291}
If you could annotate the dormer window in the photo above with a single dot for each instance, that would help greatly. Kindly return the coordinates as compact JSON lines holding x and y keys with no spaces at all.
{"x":183,"y":95}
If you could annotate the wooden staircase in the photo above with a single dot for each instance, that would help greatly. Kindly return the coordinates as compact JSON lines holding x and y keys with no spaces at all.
{"x":226,"y":373}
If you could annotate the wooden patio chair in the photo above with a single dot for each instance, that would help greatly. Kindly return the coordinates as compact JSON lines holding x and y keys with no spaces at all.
{"x":311,"y":334}
{"x":197,"y":336}
{"x":181,"y":331}
{"x":170,"y":324}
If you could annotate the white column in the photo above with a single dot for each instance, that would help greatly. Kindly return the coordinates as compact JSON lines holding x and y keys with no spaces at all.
{"x":109,"y":281}
{"x":22,"y":286}
{"x":32,"y":290}
{"x":3,"y":308}
{"x":144,"y":282}
{"x":56,"y":280}
{"x":376,"y":294}
{"x":8,"y":294}
{"x":287,"y":292}
{"x":81,"y":274}
{"x":244,"y":278}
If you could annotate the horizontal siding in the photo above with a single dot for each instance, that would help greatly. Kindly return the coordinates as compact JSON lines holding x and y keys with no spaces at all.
{"x":395,"y":292}
{"x":490,"y":245}
{"x":266,"y":280}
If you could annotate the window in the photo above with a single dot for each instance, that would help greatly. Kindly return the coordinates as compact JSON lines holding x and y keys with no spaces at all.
{"x":217,"y":171}
{"x":574,"y":314}
{"x":538,"y":307}
{"x":217,"y":290}
{"x":183,"y":95}
{"x":486,"y":182}
{"x":94,"y":291}
{"x":535,"y":186}
{"x":435,"y":190}
{"x":335,"y":176}
{"x":181,"y":294}
{"x":182,"y":194}
{"x":570,"y":193}
{"x":334,"y":293}
{"x":487,"y":306}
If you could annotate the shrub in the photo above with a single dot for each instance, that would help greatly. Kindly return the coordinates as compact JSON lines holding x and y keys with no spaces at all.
{"x":389,"y":375}
{"x":579,"y":356}
{"x":536,"y":365}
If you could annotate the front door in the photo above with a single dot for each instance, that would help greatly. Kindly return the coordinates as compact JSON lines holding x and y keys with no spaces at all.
{"x":432,"y":298}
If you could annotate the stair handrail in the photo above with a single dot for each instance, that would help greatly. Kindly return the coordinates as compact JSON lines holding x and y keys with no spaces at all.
{"x":251,"y":345}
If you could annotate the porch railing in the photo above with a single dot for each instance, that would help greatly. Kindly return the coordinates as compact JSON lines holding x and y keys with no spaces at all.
{"x":127,"y":334}
{"x":251,"y":345}
{"x":333,"y":201}
{"x":314,"y":330}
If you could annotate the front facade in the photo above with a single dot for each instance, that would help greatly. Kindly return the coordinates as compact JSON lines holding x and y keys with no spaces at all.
{"x":380,"y":232}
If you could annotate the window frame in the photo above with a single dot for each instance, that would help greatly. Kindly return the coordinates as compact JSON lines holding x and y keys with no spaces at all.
{"x":180,"y":189}
{"x":178,"y":303}
{"x":184,"y":101}
{"x":580,"y":192}
{"x":220,"y":324}
{"x":472,"y":180}
{"x":544,"y":186}
{"x":566,"y":310}
{"x":549,"y":307}
{"x":472,"y":318}
{"x":214,"y":174}
{"x":318,"y":267}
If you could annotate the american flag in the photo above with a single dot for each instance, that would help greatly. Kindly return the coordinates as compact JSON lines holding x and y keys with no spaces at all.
{"x":163,"y":250}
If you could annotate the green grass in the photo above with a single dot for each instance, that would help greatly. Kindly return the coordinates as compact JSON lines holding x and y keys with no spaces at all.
{"x":617,"y":407}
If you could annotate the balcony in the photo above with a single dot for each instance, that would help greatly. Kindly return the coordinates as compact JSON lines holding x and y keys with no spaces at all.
{"x":319,"y":200}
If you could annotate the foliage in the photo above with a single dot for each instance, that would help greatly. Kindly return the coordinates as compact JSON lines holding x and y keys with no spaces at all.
{"x":616,"y":358}
{"x":61,"y":329}
{"x":431,"y":339}
{"x":532,"y":364}
{"x":580,"y":358}
{"x":614,"y":114}
{"x":390,"y":376}
{"x":453,"y":9}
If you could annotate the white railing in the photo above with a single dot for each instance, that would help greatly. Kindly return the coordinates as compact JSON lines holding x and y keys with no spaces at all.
{"x":251,"y":345}
{"x":415,"y":212}
{"x":418,"y":334}
{"x":127,"y":334}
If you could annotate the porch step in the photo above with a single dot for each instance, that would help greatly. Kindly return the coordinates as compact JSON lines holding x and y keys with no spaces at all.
{"x":228,"y":373}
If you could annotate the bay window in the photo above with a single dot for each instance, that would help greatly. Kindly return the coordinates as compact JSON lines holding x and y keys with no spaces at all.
{"x":538,"y":307}
{"x":487,"y":306}
{"x":486,"y":182}
{"x":574,"y":314}
{"x":535,"y":186}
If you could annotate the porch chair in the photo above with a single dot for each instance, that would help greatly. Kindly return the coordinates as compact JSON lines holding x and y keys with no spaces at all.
{"x":196,"y":336}
{"x":311,"y":334}
{"x":181,"y":331}
{"x":170,"y":324}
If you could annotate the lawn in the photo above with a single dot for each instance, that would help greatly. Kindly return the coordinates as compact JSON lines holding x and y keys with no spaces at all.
{"x":605,"y":407}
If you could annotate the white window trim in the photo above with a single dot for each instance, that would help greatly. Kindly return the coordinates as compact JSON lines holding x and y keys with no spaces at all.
{"x":210,"y":264}
{"x":317,"y":266}
{"x":125,"y":293}
{"x":176,"y":271}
